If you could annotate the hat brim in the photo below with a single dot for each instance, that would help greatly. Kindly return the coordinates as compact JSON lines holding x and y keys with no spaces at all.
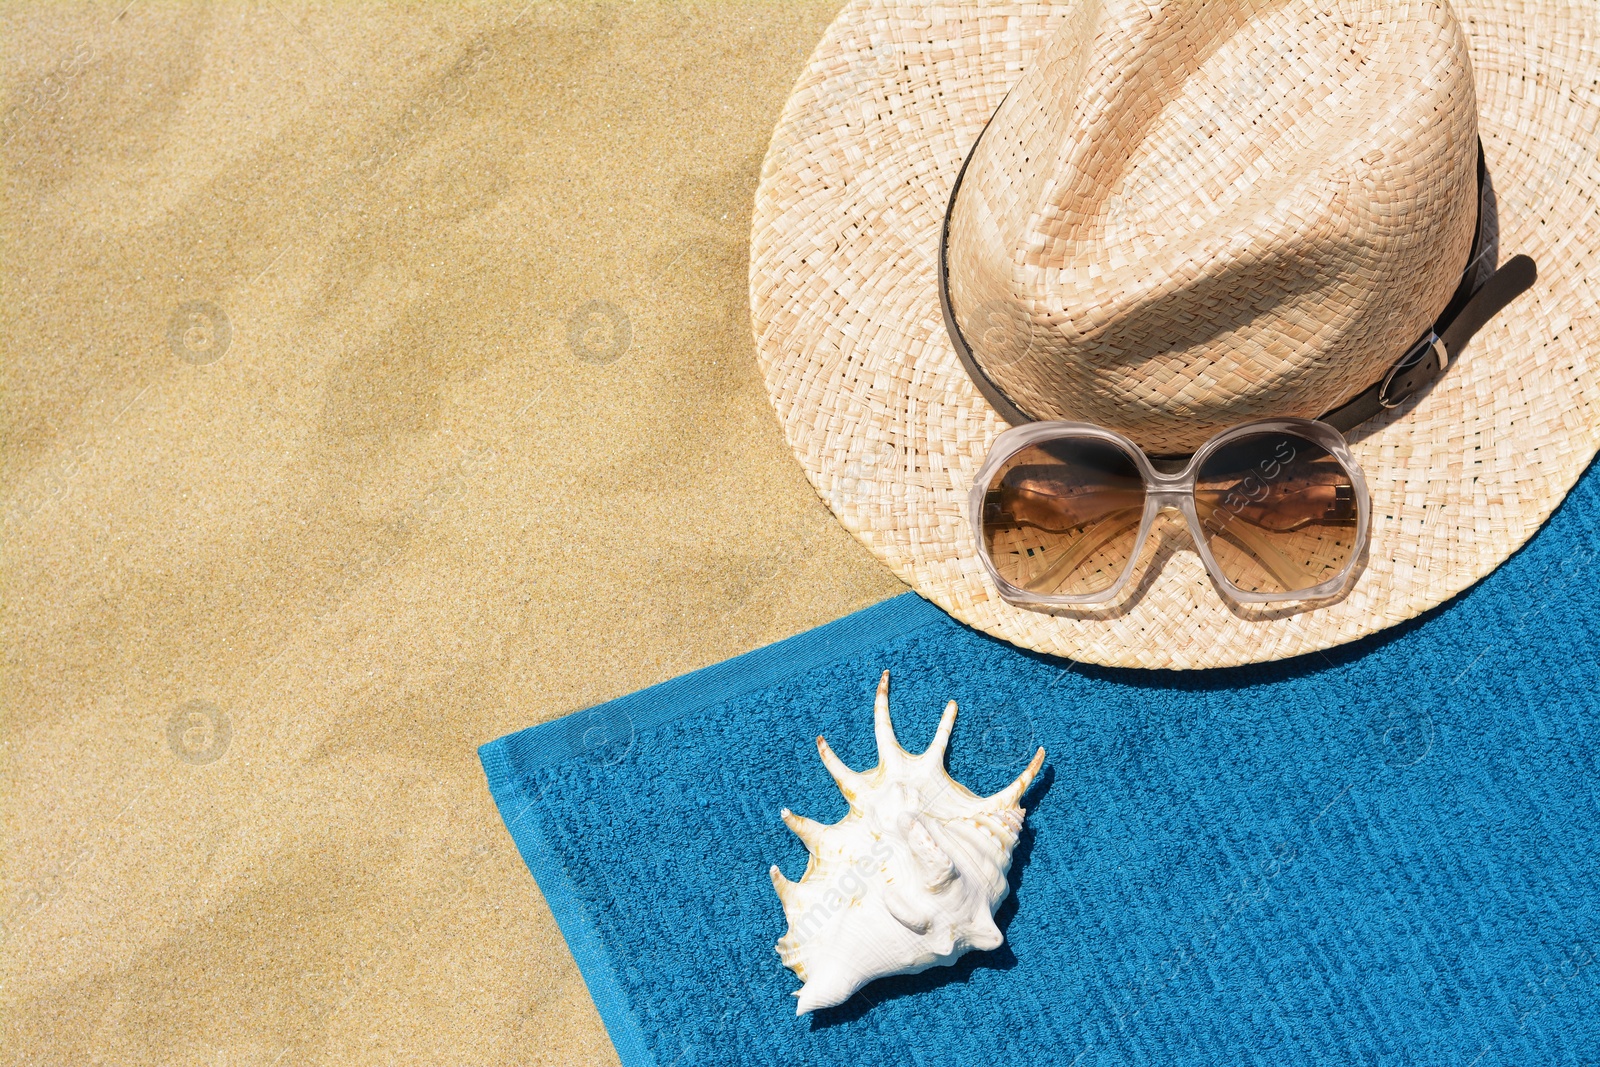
{"x":874,"y":402}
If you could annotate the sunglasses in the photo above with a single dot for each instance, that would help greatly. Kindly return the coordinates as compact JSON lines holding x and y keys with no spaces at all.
{"x":1277,"y":508}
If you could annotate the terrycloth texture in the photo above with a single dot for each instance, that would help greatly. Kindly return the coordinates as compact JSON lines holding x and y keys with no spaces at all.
{"x":1381,"y":855}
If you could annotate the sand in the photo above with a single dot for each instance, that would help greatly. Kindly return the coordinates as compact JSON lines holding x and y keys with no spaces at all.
{"x":377,"y":381}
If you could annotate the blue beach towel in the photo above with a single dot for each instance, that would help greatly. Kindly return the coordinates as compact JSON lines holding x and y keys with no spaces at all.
{"x":1381,"y":854}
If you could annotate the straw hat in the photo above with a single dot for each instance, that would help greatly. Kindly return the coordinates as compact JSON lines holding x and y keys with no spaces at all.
{"x":1181,"y":217}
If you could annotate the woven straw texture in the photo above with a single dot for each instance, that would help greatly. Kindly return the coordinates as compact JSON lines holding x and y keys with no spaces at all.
{"x":1166,"y":270}
{"x":891,"y":432}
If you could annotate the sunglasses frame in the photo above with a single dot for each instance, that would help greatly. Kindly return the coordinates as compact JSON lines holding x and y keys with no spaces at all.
{"x":1168,"y":490}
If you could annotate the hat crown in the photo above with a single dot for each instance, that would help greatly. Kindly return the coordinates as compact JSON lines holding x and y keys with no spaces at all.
{"x":1187,"y":215}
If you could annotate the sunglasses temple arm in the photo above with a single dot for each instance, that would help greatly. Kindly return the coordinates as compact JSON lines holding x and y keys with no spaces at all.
{"x":1274,"y":561}
{"x":1105,"y":531}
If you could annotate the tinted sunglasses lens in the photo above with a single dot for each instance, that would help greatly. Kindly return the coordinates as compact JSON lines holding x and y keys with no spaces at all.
{"x":1060,"y":517}
{"x":1278,"y":512}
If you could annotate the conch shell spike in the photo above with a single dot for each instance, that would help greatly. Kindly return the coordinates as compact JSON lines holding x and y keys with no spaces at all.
{"x":843,"y":776}
{"x":1011,"y":795}
{"x":889,"y":749}
{"x":941,"y":737}
{"x":807,"y":830}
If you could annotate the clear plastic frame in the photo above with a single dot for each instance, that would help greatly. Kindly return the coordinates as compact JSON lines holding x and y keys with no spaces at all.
{"x":1278,"y":510}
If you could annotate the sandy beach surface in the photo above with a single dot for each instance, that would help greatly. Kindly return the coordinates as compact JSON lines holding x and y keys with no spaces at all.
{"x":377,"y":380}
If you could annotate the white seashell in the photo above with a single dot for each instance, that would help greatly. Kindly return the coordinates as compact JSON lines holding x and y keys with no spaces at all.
{"x":909,"y":879}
